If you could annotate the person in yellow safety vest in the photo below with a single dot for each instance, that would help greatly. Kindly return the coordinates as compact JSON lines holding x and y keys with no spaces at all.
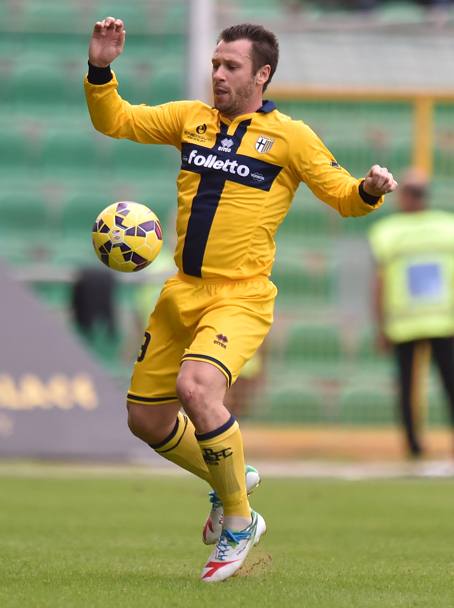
{"x":414,"y":296}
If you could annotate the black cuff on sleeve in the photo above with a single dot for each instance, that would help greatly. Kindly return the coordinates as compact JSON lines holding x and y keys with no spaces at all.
{"x":99,"y":75}
{"x":367,"y":198}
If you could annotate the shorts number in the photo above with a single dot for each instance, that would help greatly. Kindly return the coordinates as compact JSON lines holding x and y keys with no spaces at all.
{"x":143,"y":348}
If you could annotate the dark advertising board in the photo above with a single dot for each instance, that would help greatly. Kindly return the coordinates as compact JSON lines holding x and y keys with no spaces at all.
{"x":55,"y":398}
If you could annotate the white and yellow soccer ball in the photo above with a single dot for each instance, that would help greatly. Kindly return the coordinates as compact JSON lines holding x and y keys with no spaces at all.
{"x":127,"y":236}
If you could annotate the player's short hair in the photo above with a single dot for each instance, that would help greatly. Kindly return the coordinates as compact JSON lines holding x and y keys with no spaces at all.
{"x":265,"y":46}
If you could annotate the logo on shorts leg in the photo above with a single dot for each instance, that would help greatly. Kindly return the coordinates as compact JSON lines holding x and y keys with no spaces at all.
{"x":210,"y":456}
{"x":221,"y":340}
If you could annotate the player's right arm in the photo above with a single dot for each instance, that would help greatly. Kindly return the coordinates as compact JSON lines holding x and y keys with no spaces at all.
{"x":112,"y":115}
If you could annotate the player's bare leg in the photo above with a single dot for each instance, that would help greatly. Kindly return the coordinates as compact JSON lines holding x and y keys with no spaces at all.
{"x":170,"y":433}
{"x":201,"y":388}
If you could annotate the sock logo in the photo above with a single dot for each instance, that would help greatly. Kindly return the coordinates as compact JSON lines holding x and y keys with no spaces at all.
{"x":210,"y":456}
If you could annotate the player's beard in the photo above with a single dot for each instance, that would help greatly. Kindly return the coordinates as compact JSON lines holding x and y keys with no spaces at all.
{"x":237,"y":101}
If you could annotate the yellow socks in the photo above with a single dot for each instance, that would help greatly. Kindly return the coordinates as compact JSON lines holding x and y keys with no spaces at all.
{"x":217,"y":457}
{"x":181,"y":447}
{"x":222,"y":450}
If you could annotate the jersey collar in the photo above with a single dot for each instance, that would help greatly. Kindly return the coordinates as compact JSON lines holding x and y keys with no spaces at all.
{"x":267,"y":106}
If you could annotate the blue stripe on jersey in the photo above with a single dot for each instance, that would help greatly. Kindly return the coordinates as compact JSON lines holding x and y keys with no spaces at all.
{"x":217,"y":165}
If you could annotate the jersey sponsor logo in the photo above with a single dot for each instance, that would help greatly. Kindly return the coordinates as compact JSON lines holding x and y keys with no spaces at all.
{"x":239,"y":168}
{"x":258,"y":177}
{"x":194,"y":137}
{"x":264,"y":144}
{"x":201,"y":129}
{"x":213,"y":162}
{"x":226,"y":145}
{"x":210,"y":456}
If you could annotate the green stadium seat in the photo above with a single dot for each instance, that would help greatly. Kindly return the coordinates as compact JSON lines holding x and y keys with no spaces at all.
{"x":48,"y":15}
{"x":367,"y":406}
{"x":173,"y":17}
{"x":291,"y":404}
{"x":131,"y":157}
{"x":294,"y":281}
{"x":135,"y":15}
{"x":36,"y":85}
{"x":403,"y":12}
{"x":70,"y":151}
{"x":79,"y":214}
{"x":163,"y":86}
{"x":24,"y":214}
{"x":313,"y":343}
{"x":308,"y":218}
{"x":366,"y":352}
{"x":16,"y":151}
{"x":27,"y":227}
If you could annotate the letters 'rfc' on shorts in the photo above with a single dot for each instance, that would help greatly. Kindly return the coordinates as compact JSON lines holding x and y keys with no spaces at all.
{"x":221,"y":322}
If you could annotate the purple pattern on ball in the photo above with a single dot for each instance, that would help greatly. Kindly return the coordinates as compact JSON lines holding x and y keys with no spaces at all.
{"x":122,"y":207}
{"x":158,"y":230}
{"x":147,"y":226}
{"x":119,"y":221}
{"x":138,"y":259}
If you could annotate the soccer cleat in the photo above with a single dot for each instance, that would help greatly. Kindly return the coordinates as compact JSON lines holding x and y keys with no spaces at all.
{"x":213,"y":525}
{"x":232,"y":549}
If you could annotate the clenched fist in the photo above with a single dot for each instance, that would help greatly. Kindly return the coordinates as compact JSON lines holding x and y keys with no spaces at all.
{"x":379,"y":181}
{"x":107,"y":41}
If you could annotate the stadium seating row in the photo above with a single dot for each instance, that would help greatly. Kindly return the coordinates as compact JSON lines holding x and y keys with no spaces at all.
{"x":46,"y":87}
{"x":54,"y":16}
{"x":55,"y":152}
{"x":350,"y":405}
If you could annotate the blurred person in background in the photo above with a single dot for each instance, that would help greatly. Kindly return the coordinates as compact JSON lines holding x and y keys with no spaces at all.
{"x":241,"y":163}
{"x":414,"y":297}
{"x":93,"y":303}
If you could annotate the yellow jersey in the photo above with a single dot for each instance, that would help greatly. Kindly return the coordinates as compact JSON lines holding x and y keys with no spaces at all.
{"x":237,"y":177}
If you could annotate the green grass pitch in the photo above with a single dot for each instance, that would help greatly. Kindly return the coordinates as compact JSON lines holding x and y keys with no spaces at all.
{"x":85,"y":541}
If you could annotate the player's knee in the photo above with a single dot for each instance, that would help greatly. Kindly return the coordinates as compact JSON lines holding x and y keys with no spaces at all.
{"x":191,"y":393}
{"x":135,"y":421}
{"x":152,"y":424}
{"x":143,"y":423}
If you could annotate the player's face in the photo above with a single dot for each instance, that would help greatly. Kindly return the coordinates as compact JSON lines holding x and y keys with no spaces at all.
{"x":234,"y":85}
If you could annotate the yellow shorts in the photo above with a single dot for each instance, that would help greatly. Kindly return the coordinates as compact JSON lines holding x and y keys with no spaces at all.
{"x":220,"y":322}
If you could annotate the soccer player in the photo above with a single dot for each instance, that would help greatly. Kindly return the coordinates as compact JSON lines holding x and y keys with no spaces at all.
{"x":241,"y":163}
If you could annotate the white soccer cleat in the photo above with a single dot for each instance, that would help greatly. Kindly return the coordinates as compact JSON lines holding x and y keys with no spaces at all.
{"x":232,"y":549}
{"x":213,"y":525}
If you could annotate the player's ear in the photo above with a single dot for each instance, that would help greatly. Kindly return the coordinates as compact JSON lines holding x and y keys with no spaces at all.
{"x":263,"y":74}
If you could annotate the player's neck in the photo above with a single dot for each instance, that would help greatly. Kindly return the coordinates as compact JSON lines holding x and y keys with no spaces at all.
{"x":250,"y":108}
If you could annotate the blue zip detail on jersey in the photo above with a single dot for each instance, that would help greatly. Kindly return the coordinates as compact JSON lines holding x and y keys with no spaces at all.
{"x":217,"y":165}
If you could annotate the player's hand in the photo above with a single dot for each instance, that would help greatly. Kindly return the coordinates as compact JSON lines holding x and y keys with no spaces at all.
{"x":107,"y":41}
{"x":379,"y":181}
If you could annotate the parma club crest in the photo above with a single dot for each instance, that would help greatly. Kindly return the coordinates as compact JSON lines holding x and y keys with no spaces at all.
{"x":263,"y":144}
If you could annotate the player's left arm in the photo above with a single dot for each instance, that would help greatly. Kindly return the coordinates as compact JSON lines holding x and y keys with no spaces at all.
{"x":314,"y":164}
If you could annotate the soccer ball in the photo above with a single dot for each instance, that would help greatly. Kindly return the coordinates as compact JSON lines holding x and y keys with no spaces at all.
{"x":127,"y":236}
